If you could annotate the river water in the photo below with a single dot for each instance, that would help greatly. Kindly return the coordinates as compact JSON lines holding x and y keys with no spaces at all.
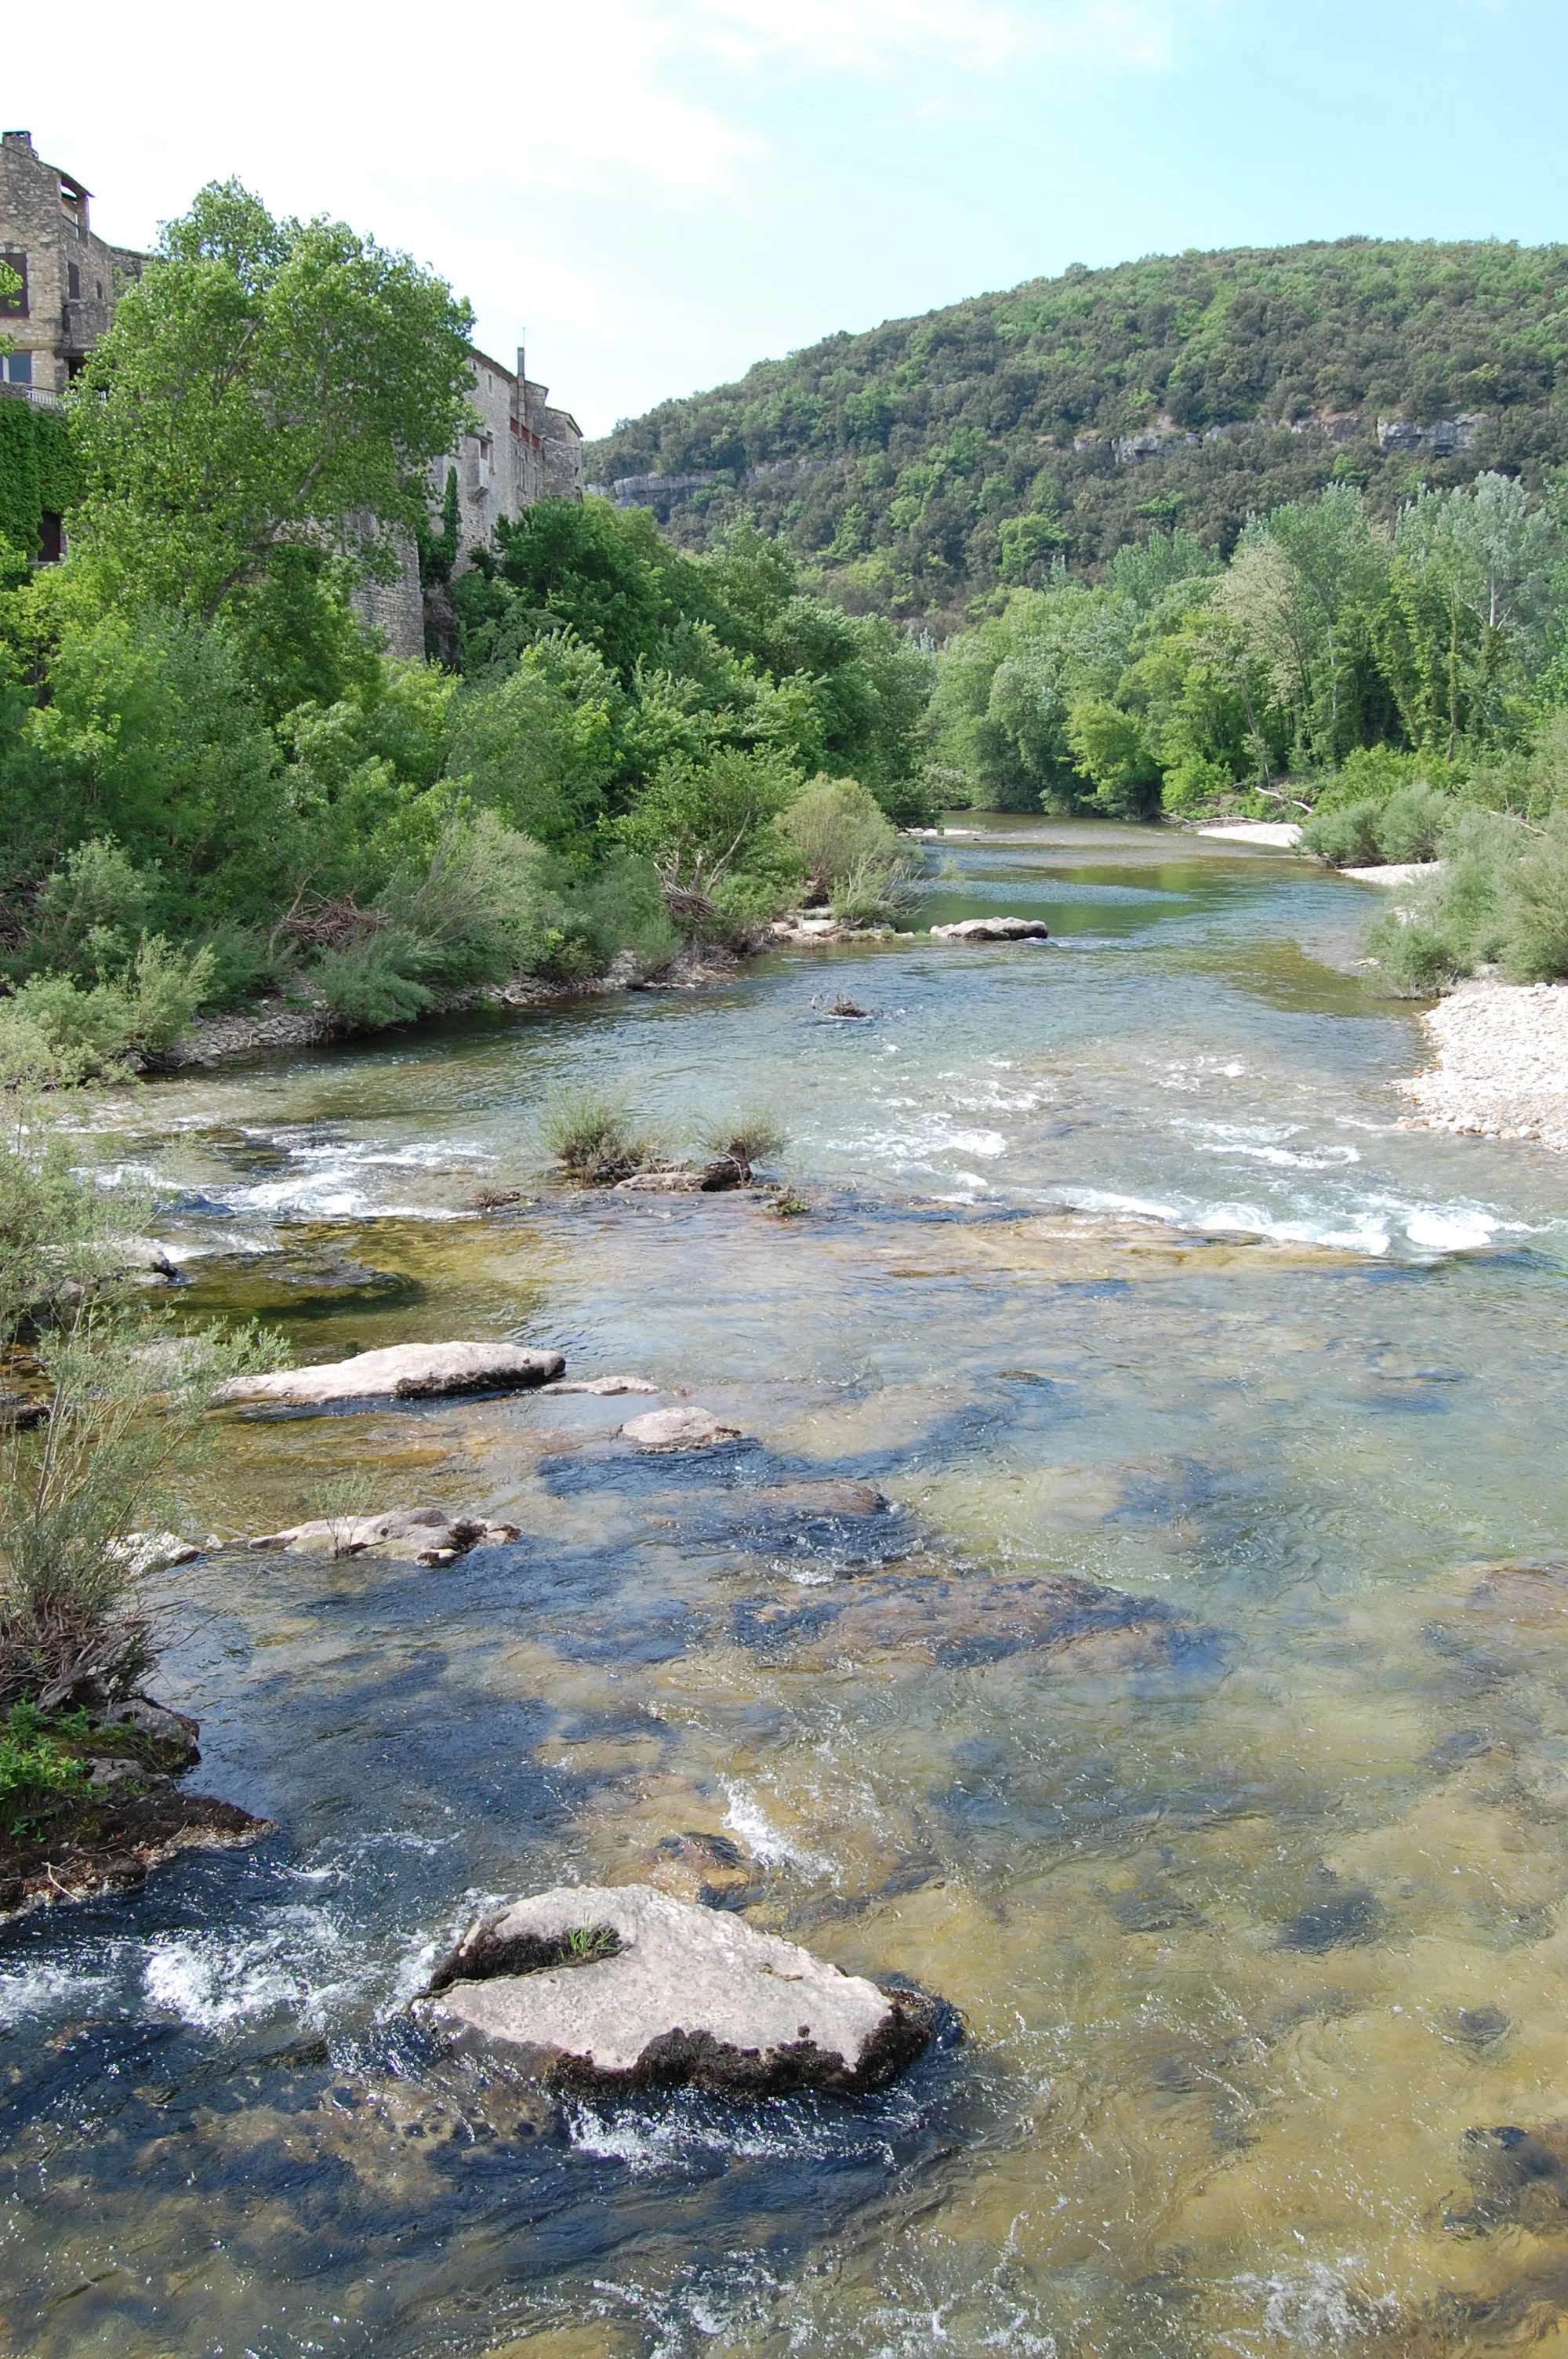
{"x":1116,"y":1263}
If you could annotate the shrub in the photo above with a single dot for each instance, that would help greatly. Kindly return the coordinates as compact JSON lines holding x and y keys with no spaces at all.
{"x":374,"y":981}
{"x":1412,"y":822}
{"x":752,"y":1137}
{"x":591,"y":1136}
{"x":838,"y":826}
{"x":1345,"y":836}
{"x":1533,"y":896}
{"x":112,"y":1456}
{"x":479,"y":909}
{"x":103,"y":1029}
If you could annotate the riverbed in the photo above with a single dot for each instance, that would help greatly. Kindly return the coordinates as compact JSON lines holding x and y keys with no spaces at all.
{"x":1115,"y":1262}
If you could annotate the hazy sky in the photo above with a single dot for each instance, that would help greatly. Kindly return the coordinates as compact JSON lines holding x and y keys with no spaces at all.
{"x":661,"y":191}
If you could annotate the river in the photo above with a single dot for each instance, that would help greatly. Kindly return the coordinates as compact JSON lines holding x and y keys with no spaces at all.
{"x":1116,"y":1263}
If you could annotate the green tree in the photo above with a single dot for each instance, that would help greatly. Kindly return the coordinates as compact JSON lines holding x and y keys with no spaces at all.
{"x":265,"y":384}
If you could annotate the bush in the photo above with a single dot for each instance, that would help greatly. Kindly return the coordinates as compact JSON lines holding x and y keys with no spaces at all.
{"x":375,"y":981}
{"x":112,"y":1456}
{"x":754,"y":1136}
{"x":839,"y":830}
{"x":1532,"y":898}
{"x":1410,"y":824}
{"x":479,"y":909}
{"x":591,"y":1137}
{"x":1346,"y":836}
{"x":109,"y":1027}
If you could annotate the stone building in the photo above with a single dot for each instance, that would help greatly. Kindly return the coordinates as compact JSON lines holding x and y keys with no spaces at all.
{"x":520,"y":450}
{"x":70,"y":277}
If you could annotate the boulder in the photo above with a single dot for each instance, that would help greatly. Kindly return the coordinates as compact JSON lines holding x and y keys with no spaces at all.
{"x":402,"y":1371}
{"x":150,"y":1552}
{"x":144,"y":1259}
{"x":678,"y":1429}
{"x":993,"y":930}
{"x":19,"y":1411}
{"x":617,"y":1988}
{"x":429,"y":1535}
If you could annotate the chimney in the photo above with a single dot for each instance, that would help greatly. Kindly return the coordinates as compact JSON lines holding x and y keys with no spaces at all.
{"x":22,"y":139}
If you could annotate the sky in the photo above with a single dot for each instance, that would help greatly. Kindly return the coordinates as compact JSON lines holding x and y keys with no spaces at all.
{"x":656,"y":193}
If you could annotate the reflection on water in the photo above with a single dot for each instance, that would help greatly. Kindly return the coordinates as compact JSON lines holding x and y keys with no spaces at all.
{"x":1250,"y":1889}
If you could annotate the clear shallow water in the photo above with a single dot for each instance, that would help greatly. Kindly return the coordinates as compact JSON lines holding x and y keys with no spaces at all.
{"x":1243,"y":1950}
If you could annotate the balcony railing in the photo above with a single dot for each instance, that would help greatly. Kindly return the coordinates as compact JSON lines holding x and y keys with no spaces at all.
{"x":37,"y":393}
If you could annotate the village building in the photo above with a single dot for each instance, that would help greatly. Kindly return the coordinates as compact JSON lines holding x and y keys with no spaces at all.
{"x":69,"y":279}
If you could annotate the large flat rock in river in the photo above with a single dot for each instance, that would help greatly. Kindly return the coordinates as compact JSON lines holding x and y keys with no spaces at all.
{"x":993,"y":930}
{"x":667,"y":1991}
{"x":404,"y":1372}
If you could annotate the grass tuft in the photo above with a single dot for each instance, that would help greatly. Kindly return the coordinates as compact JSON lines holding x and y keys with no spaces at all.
{"x":591,"y":1136}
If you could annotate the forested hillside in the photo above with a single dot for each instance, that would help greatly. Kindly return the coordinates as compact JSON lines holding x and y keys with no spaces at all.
{"x":929,"y":459}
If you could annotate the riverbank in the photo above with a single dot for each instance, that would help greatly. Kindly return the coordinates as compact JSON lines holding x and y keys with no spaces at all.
{"x":1502,"y":1063}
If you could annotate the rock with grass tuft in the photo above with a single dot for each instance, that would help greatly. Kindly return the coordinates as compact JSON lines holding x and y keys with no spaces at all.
{"x":656,"y":1991}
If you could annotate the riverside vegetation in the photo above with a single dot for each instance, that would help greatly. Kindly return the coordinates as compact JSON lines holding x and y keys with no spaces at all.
{"x":215,"y":790}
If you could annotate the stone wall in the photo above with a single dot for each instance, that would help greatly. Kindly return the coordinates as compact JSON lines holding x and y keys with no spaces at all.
{"x":73,"y":278}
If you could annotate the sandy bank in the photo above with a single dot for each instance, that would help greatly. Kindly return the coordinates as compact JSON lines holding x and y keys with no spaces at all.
{"x":1273,"y":835}
{"x":1502,"y":1063}
{"x":1392,"y":872}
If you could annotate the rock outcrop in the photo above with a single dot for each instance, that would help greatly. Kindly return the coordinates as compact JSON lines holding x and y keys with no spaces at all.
{"x":429,"y":1535}
{"x":993,"y":930}
{"x":621,"y":1987}
{"x":678,"y":1429}
{"x":402,"y":1371}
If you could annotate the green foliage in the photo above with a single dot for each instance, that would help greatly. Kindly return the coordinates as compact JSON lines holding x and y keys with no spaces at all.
{"x":756,"y":1135}
{"x":838,"y":828}
{"x":591,"y":1136}
{"x":35,"y":1774}
{"x":118,"y":1020}
{"x":265,"y":383}
{"x":965,"y":450}
{"x":38,"y":472}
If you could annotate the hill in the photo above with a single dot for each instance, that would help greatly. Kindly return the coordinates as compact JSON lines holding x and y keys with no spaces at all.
{"x":926,"y":461}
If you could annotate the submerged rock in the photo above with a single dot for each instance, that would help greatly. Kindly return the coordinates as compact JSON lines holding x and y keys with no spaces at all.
{"x":707,"y":1868}
{"x":620,"y":1986}
{"x":678,"y":1429}
{"x":993,"y":930}
{"x":1076,"y":1625}
{"x":402,"y":1371}
{"x":1343,"y":1916}
{"x":429,"y":1535}
{"x":603,"y":1385}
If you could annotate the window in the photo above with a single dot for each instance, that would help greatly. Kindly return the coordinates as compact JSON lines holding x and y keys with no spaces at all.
{"x":98,"y":289}
{"x":51,"y":537}
{"x":73,"y":279}
{"x":14,"y":306}
{"x":18,"y":368}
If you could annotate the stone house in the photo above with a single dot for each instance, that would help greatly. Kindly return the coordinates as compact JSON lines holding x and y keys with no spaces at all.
{"x":521,"y":450}
{"x":71,"y":279}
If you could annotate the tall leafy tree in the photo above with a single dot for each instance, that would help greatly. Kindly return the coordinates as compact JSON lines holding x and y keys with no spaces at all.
{"x":268,"y":385}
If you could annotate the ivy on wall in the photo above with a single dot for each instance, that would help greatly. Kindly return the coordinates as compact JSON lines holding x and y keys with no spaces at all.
{"x":38,"y":472}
